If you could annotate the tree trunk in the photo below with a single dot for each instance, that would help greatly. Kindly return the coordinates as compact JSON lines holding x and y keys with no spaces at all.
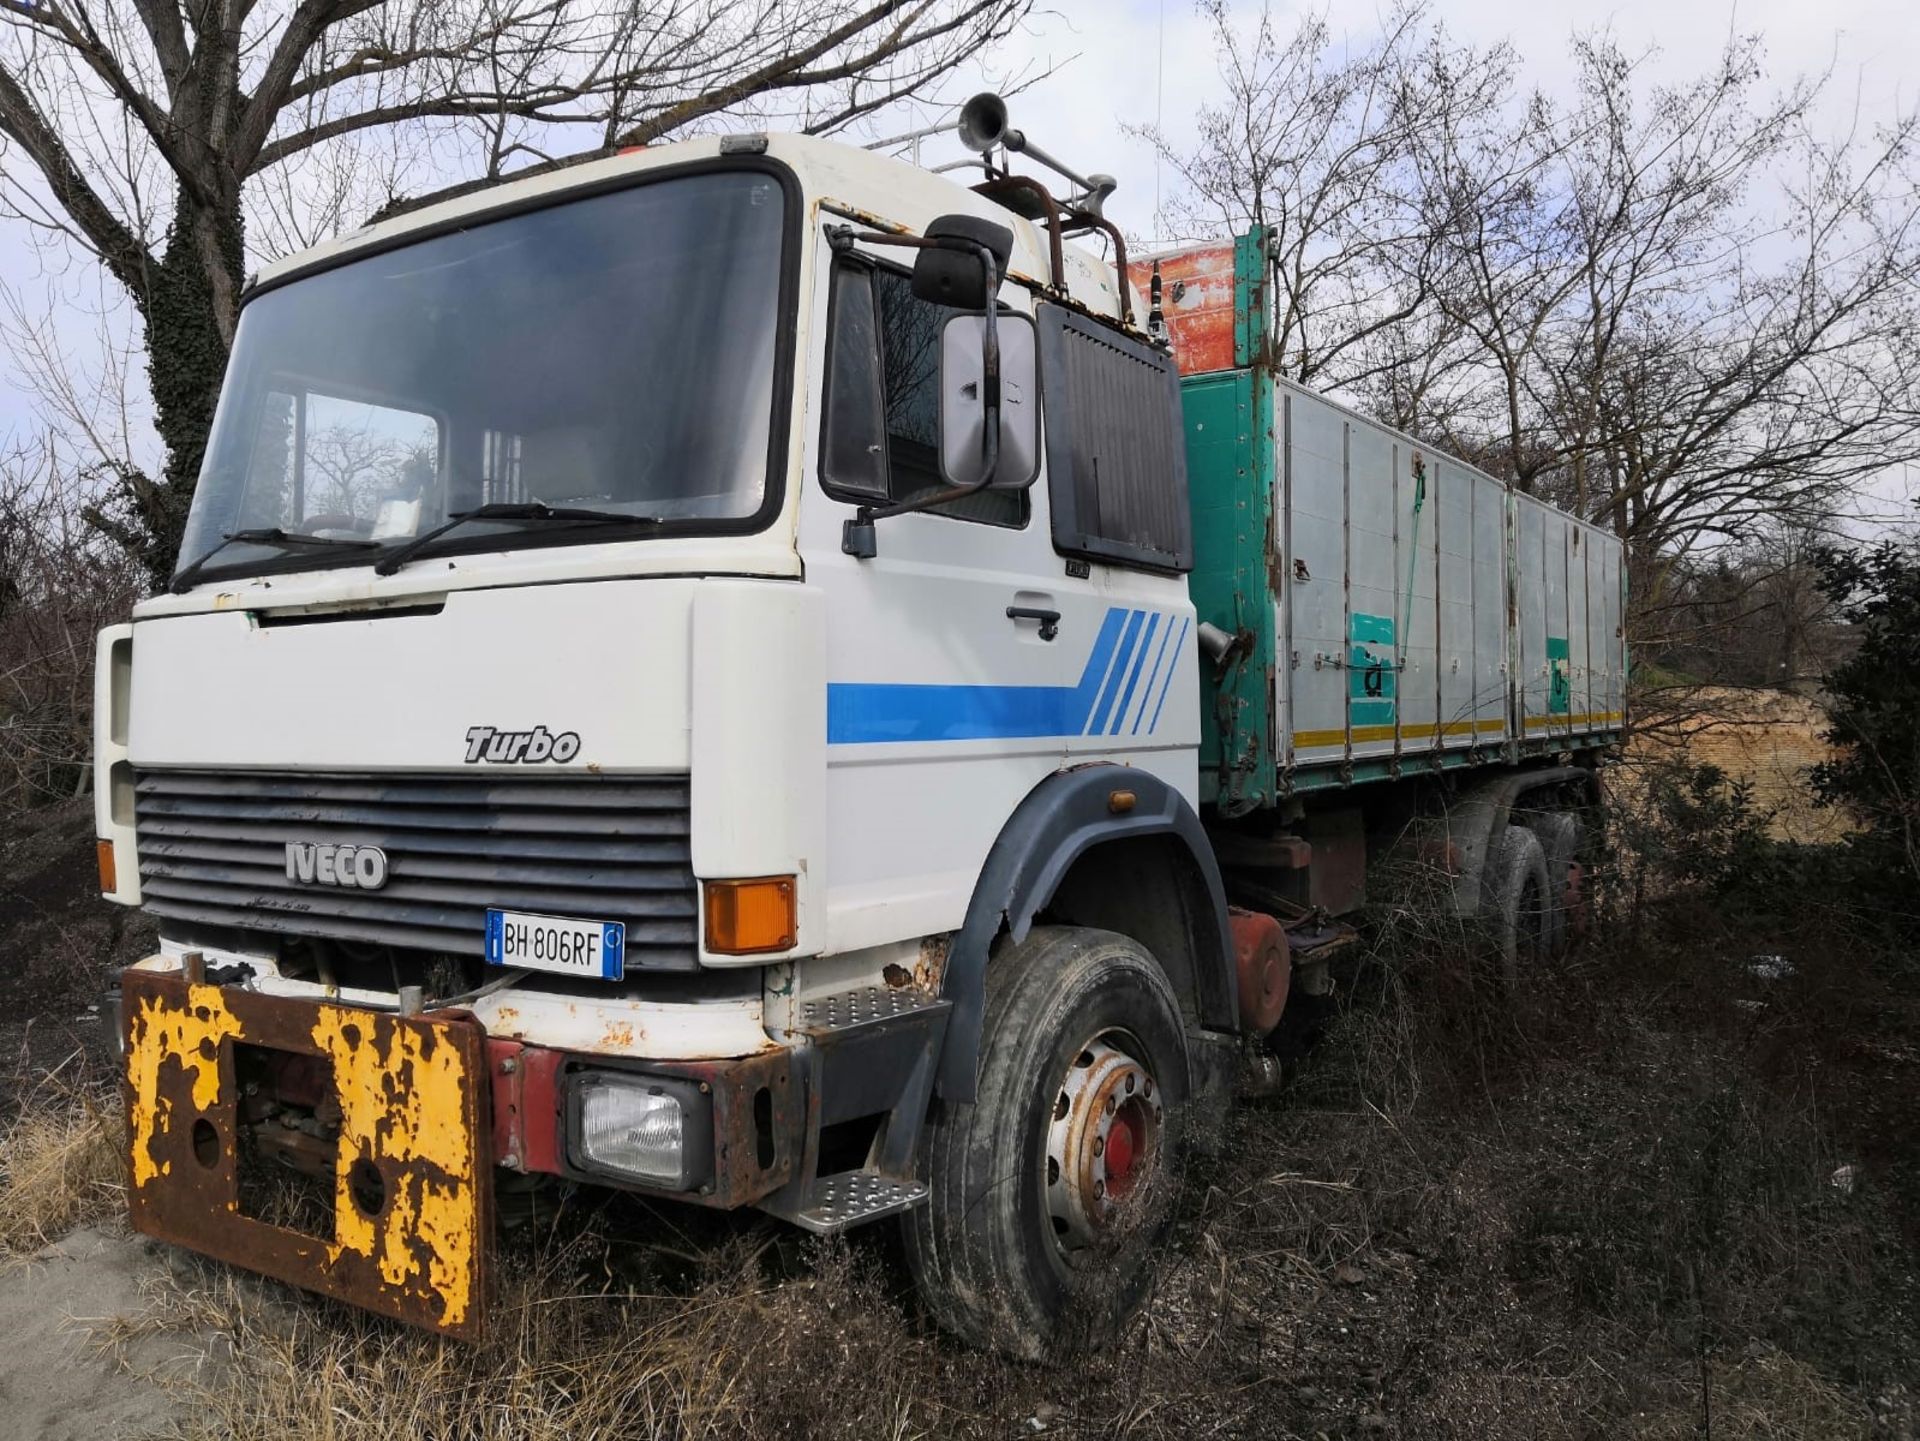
{"x":189,"y":306}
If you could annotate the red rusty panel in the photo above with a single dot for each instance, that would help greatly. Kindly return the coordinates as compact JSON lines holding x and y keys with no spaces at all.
{"x":1196,"y":298}
{"x":526,"y":1106}
{"x":1265,"y":965}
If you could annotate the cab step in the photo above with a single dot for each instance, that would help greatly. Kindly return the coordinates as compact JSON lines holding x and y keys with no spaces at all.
{"x":852,"y":1198}
{"x":871,"y":1053}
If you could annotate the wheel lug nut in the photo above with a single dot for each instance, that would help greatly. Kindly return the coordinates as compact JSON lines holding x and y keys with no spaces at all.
{"x":1129,"y":1085}
{"x":1099,"y":1145}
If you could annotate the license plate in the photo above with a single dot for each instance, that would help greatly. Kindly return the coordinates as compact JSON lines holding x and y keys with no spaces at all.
{"x":557,"y":943}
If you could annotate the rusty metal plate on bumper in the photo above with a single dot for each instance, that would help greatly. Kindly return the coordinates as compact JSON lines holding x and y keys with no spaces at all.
{"x":411,"y":1093}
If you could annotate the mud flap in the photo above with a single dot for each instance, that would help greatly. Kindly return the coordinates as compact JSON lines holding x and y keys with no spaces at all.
{"x":411,"y":1187}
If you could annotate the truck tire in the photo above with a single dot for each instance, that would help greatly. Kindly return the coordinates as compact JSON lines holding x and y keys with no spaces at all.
{"x":1039,"y":1230}
{"x":1517,"y":902}
{"x":1561,"y":837}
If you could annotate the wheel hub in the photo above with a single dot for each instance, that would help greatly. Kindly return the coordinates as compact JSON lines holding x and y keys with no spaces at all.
{"x":1102,"y":1142}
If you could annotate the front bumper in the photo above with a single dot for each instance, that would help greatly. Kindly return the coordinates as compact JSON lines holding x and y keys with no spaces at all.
{"x":412,"y":1190}
{"x":427,"y":1107}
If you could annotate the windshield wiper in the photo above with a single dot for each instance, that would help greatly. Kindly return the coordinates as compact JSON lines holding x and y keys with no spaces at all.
{"x":285,"y":539}
{"x":508,"y":510}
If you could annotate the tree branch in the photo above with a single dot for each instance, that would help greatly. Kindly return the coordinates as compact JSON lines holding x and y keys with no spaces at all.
{"x":119,"y":248}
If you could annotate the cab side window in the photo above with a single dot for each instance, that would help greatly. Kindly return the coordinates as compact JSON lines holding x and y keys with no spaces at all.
{"x":882,"y":436}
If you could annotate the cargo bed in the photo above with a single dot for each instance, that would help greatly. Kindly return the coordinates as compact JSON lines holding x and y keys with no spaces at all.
{"x":1394,"y":610}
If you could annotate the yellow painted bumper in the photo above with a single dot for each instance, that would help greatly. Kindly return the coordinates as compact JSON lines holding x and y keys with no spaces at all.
{"x":411,"y":1183}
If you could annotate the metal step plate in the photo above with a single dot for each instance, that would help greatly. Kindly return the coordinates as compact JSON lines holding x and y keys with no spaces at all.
{"x":863,"y":1006}
{"x":853,"y":1198}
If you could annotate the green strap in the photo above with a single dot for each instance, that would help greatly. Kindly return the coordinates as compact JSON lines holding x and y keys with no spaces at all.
{"x":1413,"y":560}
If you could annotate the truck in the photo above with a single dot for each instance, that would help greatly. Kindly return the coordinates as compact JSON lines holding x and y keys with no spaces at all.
{"x":765,"y":676}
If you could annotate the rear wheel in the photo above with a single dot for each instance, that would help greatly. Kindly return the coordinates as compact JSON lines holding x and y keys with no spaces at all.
{"x":1561,"y":837}
{"x":1050,"y":1190}
{"x":1518,"y":901}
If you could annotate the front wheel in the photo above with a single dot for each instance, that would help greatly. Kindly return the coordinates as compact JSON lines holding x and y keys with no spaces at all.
{"x":1049,"y":1192}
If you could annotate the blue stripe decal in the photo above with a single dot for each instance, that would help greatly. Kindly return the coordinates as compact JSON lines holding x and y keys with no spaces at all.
{"x":1172,"y":671}
{"x":1096,"y":670}
{"x":1133,"y":676}
{"x":1152,"y":676}
{"x":860,"y":714}
{"x":1127,"y":642}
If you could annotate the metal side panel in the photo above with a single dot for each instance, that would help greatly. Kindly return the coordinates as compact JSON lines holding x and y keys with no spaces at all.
{"x":1554,"y":548}
{"x":1530,"y":612}
{"x":1233,"y":492}
{"x":1450,"y":498}
{"x":1579,"y":635}
{"x":1374,"y":614}
{"x":1416,"y":611}
{"x":1315,"y":491}
{"x":1492,"y":657}
{"x":1417,"y":572}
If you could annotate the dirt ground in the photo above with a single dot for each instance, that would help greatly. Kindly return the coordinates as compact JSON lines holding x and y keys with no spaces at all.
{"x":1770,"y":739}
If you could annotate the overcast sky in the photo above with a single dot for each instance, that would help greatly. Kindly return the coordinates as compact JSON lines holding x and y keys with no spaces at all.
{"x":1116,"y":62}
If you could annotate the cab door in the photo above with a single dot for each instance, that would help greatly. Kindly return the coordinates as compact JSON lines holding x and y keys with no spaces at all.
{"x":953,"y":666}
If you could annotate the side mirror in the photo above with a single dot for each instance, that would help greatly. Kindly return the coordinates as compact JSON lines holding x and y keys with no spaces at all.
{"x":963,"y":412}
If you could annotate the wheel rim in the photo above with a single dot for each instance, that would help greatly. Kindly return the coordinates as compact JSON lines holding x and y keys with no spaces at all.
{"x":1103,"y":1141}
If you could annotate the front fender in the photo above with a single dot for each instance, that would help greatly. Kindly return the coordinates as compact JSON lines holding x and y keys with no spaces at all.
{"x":1060,"y":819}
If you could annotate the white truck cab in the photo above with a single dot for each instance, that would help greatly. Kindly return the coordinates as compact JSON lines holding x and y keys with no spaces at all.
{"x":608,"y":719}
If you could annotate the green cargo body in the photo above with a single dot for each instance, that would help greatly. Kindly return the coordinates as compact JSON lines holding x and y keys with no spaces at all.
{"x":1394,"y":611}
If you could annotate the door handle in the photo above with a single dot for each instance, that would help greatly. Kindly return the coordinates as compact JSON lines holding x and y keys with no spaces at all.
{"x":1049,"y":619}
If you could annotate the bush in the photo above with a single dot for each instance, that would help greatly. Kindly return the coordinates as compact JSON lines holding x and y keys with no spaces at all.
{"x":1875,"y":703}
{"x":60,"y":582}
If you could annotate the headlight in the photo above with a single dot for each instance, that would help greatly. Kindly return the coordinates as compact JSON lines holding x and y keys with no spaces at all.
{"x":649,"y":1129}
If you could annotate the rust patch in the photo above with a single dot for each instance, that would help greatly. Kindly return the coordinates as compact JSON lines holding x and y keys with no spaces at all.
{"x":897,"y":977}
{"x":402,"y":1110}
{"x":618,"y":1036}
{"x":1197,"y":291}
{"x":191,"y":1035}
{"x":931,"y":967}
{"x":412,"y":1198}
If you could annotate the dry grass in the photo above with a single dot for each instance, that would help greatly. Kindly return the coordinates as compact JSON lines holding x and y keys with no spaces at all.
{"x":1764,"y":1395}
{"x":1600,"y":1204}
{"x":60,"y":1164}
{"x":1605,"y":1210}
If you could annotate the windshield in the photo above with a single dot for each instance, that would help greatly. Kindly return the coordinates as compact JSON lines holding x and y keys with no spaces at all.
{"x":615,"y":353}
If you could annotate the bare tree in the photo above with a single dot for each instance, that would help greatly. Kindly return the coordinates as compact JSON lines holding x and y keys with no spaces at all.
{"x":1327,"y":147}
{"x":137,"y":129}
{"x":1688,"y":314}
{"x":1675,"y":309}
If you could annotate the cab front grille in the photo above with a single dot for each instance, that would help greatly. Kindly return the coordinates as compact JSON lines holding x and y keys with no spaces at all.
{"x":213,"y":850}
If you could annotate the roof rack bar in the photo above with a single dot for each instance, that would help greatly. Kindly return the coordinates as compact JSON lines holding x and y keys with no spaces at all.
{"x":1050,"y":208}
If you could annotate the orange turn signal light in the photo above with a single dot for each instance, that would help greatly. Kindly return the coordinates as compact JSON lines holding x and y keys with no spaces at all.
{"x":745,"y":918}
{"x":108,"y":877}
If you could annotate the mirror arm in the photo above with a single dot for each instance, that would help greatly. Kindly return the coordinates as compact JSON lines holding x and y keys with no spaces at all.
{"x":857,"y":534}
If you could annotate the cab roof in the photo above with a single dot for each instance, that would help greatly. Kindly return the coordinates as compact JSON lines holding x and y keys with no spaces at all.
{"x":833,"y":177}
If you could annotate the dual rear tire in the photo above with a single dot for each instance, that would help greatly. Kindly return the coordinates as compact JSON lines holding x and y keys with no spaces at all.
{"x":1531,"y":889}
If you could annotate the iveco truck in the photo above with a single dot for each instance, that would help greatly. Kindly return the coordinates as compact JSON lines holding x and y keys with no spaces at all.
{"x":758,"y":674}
